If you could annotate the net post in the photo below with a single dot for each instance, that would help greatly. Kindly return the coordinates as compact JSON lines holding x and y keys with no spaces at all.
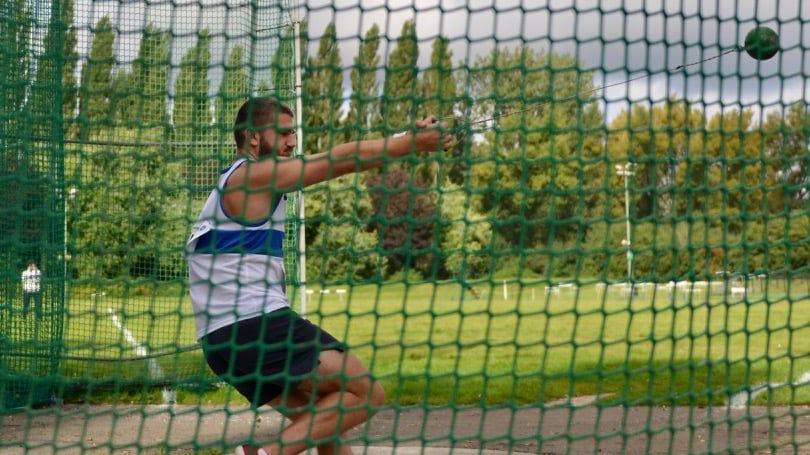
{"x":302,"y":249}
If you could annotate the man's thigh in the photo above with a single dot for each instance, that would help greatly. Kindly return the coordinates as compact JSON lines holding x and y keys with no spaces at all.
{"x":337,"y":371}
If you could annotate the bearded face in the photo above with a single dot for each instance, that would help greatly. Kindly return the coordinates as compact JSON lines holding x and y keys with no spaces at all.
{"x":280,"y":140}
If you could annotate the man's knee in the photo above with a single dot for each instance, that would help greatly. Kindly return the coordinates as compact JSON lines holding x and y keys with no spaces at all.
{"x":377,"y":395}
{"x":352,"y":376}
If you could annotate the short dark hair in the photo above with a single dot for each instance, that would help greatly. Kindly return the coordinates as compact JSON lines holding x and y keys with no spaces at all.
{"x":257,"y":112}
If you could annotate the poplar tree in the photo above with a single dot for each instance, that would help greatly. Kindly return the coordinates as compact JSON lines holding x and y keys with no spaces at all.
{"x":323,"y":94}
{"x":400,"y":90}
{"x":192,"y":112}
{"x":96,"y":79}
{"x":364,"y":102}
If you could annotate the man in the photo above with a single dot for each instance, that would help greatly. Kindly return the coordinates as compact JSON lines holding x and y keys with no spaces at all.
{"x":250,"y":336}
{"x":31,"y":281}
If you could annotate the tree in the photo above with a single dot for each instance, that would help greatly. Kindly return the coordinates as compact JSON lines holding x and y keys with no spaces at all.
{"x":466,"y":235}
{"x":61,"y":36}
{"x":404,"y":208}
{"x":340,"y":243}
{"x":138,"y":190}
{"x":405,"y":220}
{"x":323,"y":94}
{"x":46,"y":84}
{"x":735,"y":175}
{"x":69,"y":62}
{"x":537,"y":170}
{"x":283,"y":66}
{"x":192,"y":112}
{"x":22,"y":209}
{"x":364,"y":102}
{"x":664,"y":146}
{"x":787,"y":141}
{"x":150,"y":72}
{"x":232,"y":92}
{"x":437,"y":88}
{"x":123,"y":99}
{"x":400,"y":92}
{"x":437,"y":91}
{"x":15,"y":67}
{"x":96,"y":80}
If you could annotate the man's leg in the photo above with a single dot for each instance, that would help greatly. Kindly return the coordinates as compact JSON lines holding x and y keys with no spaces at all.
{"x":345,"y":395}
{"x":26,"y":302}
{"x":292,"y":408}
{"x":38,"y":304}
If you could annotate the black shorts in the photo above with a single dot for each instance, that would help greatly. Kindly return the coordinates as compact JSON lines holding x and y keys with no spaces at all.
{"x":267,"y":355}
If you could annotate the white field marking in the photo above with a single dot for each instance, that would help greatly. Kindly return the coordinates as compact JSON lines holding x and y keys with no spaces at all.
{"x":340,"y":293}
{"x":741,"y":399}
{"x":571,"y":287}
{"x":169,"y":395}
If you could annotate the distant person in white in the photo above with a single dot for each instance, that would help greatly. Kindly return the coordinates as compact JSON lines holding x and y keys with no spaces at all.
{"x":31,"y":283}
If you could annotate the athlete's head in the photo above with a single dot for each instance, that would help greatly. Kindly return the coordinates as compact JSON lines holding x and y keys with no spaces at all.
{"x":264,"y":126}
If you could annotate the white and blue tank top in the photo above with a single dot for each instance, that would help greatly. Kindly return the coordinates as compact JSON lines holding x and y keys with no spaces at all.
{"x":235,"y":269}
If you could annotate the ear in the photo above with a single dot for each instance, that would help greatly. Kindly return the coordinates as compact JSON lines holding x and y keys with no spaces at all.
{"x":254,"y":138}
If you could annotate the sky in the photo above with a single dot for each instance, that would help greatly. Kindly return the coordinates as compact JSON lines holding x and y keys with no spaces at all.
{"x":616,"y":39}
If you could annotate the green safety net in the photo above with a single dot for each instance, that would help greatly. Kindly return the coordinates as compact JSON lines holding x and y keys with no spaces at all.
{"x":612,"y":255}
{"x":32,"y":217}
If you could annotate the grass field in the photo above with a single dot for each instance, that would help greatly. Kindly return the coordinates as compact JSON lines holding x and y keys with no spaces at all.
{"x":427,"y":344}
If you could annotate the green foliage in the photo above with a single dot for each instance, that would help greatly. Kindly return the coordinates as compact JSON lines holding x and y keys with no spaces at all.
{"x":192,"y":110}
{"x":466,"y":235}
{"x":405,"y":219}
{"x":786,"y":144}
{"x":58,"y":46}
{"x":151,"y":78}
{"x":364,"y":105}
{"x":138,"y":97}
{"x":125,"y":221}
{"x":437,"y":92}
{"x":323,"y":95}
{"x":542,"y":161}
{"x":15,"y":68}
{"x":96,"y":80}
{"x":232,"y":92}
{"x":123,"y":99}
{"x":437,"y":87}
{"x":540,"y":183}
{"x":400,"y":103}
{"x":341,"y":245}
{"x":283,"y":64}
{"x":71,"y":58}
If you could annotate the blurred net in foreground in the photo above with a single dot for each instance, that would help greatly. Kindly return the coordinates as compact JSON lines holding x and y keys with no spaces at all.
{"x":622,"y":223}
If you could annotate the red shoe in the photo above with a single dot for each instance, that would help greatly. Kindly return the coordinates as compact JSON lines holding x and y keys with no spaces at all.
{"x":249,"y":450}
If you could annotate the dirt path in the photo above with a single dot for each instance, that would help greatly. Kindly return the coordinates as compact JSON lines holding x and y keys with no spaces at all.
{"x":122,"y":429}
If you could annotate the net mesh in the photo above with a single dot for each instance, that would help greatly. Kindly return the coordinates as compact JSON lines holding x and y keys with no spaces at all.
{"x":612,"y":255}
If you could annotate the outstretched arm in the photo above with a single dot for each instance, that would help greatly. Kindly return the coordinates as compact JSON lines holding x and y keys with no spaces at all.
{"x":250,"y":188}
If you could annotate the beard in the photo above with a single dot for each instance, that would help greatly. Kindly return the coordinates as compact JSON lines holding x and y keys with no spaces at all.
{"x":265,"y":148}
